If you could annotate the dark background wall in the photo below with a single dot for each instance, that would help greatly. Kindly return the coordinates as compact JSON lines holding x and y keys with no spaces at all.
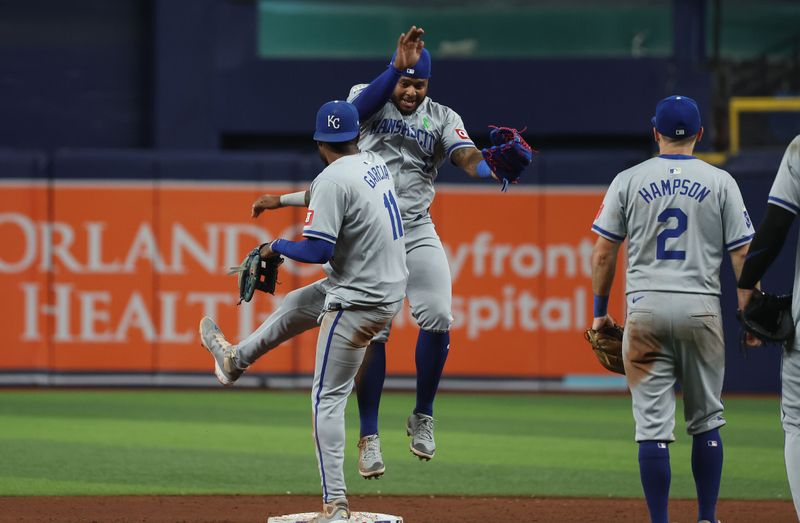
{"x":186,"y":74}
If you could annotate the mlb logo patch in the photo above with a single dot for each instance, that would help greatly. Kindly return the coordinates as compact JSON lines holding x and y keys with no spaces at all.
{"x":462,"y":134}
{"x":674,"y":170}
{"x":309,"y":217}
{"x":713,"y":443}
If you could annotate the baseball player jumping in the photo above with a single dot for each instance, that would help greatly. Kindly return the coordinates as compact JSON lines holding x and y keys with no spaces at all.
{"x":352,"y":211}
{"x":680,"y":215}
{"x":415,"y":135}
{"x":784,"y":204}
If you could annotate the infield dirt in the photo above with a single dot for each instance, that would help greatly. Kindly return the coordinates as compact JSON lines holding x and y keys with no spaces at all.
{"x":414,"y":509}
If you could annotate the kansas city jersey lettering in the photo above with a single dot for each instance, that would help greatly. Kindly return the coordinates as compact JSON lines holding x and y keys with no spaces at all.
{"x":377,"y":174}
{"x":674,"y":187}
{"x":425,"y":139}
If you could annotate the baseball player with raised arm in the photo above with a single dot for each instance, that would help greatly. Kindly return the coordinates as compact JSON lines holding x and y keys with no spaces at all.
{"x":784,"y":204}
{"x":679,"y":215}
{"x":415,"y":135}
{"x":353,"y":227}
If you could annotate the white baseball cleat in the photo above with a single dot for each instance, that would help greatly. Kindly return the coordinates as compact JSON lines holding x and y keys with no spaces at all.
{"x":225,"y":367}
{"x":370,"y":459}
{"x":337,"y":511}
{"x":420,"y":428}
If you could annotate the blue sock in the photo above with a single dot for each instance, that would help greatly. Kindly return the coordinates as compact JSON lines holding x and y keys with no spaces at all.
{"x":655,"y":473}
{"x":432,"y":349}
{"x":369,"y":385}
{"x":707,"y":471}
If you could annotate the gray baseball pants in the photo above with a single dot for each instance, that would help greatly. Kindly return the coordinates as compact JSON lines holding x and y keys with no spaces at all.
{"x":674,"y":337}
{"x":343,"y":339}
{"x":790,"y":417}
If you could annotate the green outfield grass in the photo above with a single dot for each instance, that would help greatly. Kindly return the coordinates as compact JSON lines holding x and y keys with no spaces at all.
{"x":230,"y":441}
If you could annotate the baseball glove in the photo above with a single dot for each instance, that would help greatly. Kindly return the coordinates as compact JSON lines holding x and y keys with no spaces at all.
{"x":607,"y":346}
{"x":509,"y":154}
{"x":257,"y":273}
{"x":768,"y":317}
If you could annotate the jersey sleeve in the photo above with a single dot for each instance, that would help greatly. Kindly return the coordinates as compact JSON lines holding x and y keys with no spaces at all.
{"x":736,"y":223}
{"x":355,"y":91}
{"x":610,"y":220}
{"x":325,"y":211}
{"x":785,"y":190}
{"x":454,"y":135}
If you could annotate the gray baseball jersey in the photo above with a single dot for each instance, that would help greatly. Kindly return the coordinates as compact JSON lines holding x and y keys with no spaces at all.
{"x":680,"y":214}
{"x":785,"y":193}
{"x":414,"y":147}
{"x":354,"y":207}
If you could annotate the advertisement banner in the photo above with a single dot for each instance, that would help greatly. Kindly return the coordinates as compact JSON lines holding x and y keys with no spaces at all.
{"x":114,"y":277}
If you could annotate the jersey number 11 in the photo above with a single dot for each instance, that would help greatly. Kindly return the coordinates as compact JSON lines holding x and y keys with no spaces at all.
{"x":394,"y":214}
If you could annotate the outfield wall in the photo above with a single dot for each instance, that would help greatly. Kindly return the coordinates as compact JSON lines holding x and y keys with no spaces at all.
{"x":111,"y":258}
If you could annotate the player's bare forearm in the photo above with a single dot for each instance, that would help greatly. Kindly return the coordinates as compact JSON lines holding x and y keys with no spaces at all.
{"x":738,"y":256}
{"x":467,"y":158}
{"x":604,"y":265}
{"x":268,"y":202}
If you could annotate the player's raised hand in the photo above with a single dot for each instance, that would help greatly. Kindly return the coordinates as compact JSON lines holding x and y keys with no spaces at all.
{"x":266,"y":202}
{"x":409,"y":48}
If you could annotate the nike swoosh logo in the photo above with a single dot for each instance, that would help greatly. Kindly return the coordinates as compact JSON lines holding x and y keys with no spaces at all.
{"x":754,"y":253}
{"x":637,"y":298}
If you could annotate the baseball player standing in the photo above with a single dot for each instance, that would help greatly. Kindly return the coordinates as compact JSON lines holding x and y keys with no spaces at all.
{"x":353,"y":227}
{"x":784,"y":204}
{"x":680,"y":215}
{"x":415,"y":135}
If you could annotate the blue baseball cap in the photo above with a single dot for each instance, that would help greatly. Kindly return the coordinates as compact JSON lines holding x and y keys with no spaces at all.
{"x":422,"y":69}
{"x":677,"y":117}
{"x":337,"y":121}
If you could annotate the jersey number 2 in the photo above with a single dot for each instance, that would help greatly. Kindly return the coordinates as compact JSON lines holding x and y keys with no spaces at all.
{"x":394,"y":214}
{"x":661,"y":240}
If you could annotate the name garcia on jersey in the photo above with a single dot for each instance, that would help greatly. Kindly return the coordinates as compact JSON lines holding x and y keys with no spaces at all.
{"x":376,"y":175}
{"x":424,"y":138}
{"x":676,"y":187}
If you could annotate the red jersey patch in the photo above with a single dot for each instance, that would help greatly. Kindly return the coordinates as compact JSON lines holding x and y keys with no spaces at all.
{"x":599,"y":211}
{"x":309,"y":217}
{"x":462,"y":134}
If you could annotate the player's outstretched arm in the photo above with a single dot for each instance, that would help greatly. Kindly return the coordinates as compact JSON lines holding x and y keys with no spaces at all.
{"x":468,"y":159}
{"x":310,"y":250}
{"x":370,"y":99}
{"x":504,"y":161}
{"x":268,"y":202}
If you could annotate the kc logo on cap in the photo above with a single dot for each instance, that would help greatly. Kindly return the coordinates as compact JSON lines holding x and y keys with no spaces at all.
{"x":337,"y":121}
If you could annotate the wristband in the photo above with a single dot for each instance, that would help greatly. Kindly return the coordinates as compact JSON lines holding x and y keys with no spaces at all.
{"x":295,"y":199}
{"x":600,"y":306}
{"x":484,"y":171}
